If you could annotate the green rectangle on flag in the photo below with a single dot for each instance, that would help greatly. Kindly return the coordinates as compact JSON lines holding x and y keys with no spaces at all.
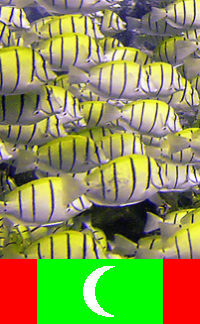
{"x":131,"y":290}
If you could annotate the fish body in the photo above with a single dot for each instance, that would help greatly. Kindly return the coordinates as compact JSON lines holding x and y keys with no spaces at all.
{"x":70,"y":24}
{"x":14,"y":17}
{"x":32,"y":107}
{"x":37,"y":134}
{"x":174,"y":50}
{"x":150,"y":27}
{"x":162,"y":79}
{"x":73,"y":154}
{"x":98,"y":113}
{"x":117,"y":80}
{"x":151,"y":117}
{"x":127,"y":54}
{"x":17,"y":3}
{"x":110,"y":22}
{"x":28,"y":69}
{"x":117,"y":145}
{"x":180,"y":177}
{"x":71,"y":49}
{"x":180,"y":14}
{"x":27,"y":202}
{"x":67,"y":245}
{"x":107,"y":43}
{"x":124,"y":181}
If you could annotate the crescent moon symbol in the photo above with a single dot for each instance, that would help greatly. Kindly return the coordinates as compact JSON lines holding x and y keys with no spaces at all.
{"x":89,"y":291}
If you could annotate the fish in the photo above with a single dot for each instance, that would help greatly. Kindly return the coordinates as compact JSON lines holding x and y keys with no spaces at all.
{"x":187,"y":138}
{"x":174,"y":50}
{"x":184,"y":100}
{"x":124,"y":181}
{"x":147,"y":25}
{"x":117,"y":80}
{"x":37,"y":134}
{"x":109,"y":22}
{"x":180,"y":177}
{"x":27,"y":202}
{"x":78,"y":23}
{"x":73,"y":154}
{"x":117,"y":145}
{"x":67,"y":245}
{"x":153,"y":221}
{"x":152,"y":117}
{"x":28,"y":69}
{"x":5,"y":34}
{"x":86,"y":6}
{"x":32,"y":107}
{"x":71,"y":49}
{"x":107,"y":43}
{"x":180,"y":14}
{"x":96,"y":133}
{"x":162,"y":79}
{"x":14,"y":17}
{"x":127,"y":54}
{"x":98,"y":113}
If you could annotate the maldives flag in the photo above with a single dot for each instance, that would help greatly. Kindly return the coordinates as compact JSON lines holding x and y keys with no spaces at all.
{"x":98,"y":291}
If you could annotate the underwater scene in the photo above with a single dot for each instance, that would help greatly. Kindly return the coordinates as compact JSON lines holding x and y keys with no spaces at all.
{"x":99,"y":129}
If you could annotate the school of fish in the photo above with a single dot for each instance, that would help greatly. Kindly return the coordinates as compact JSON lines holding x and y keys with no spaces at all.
{"x":98,"y":124}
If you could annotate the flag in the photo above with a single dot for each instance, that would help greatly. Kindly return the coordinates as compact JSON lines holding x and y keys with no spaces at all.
{"x":123,"y":291}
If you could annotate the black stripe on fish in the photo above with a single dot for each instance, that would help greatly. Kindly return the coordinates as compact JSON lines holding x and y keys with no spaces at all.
{"x":52,"y":201}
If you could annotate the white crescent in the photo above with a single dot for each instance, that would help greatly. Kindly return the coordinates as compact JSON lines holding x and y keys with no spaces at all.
{"x":89,"y":291}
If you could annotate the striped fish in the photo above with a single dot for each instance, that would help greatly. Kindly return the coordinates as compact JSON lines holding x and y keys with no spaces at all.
{"x":151,"y":117}
{"x":5,"y":34}
{"x":127,"y":54}
{"x":98,"y":113}
{"x":180,"y":177}
{"x":192,"y":217}
{"x":153,"y":221}
{"x":71,"y":49}
{"x":117,"y":79}
{"x":186,"y":100}
{"x":107,"y":43}
{"x":32,"y":107}
{"x":124,"y":181}
{"x":180,"y":14}
{"x":37,"y":134}
{"x":117,"y":145}
{"x":162,"y":79}
{"x":3,"y":233}
{"x":73,"y":154}
{"x":176,"y":243}
{"x":110,"y":22}
{"x":98,"y":132}
{"x":146,"y":25}
{"x":60,"y":25}
{"x":68,"y":245}
{"x":28,"y":69}
{"x":174,"y":50}
{"x":14,"y":17}
{"x":76,"y":6}
{"x":27,"y":202}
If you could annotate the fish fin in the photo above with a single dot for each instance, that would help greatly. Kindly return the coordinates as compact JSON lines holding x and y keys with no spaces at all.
{"x":191,"y":68}
{"x":133,"y":23}
{"x":184,"y":49}
{"x":152,"y":223}
{"x":76,"y":75}
{"x":157,"y":14}
{"x":168,"y":230}
{"x":149,"y":254}
{"x":173,"y":24}
{"x":25,"y":161}
{"x":73,"y":187}
{"x":123,"y":246}
{"x":176,"y":143}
